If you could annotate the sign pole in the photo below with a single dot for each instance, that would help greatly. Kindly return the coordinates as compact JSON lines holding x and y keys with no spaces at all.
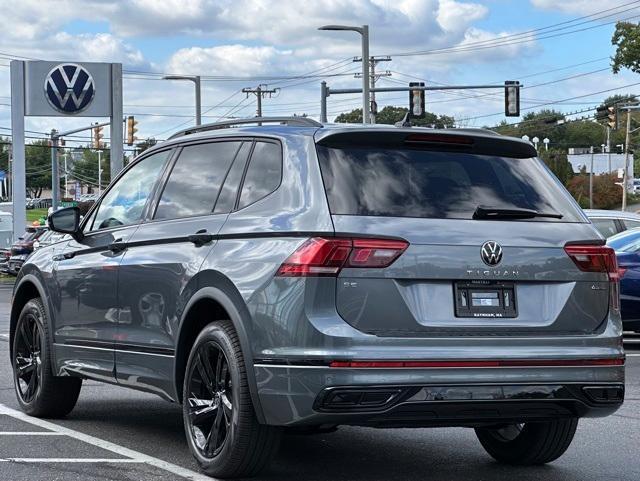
{"x":117,"y":134}
{"x":19,"y":184}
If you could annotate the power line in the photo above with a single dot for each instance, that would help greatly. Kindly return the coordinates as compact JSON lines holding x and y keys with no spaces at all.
{"x":556,"y":101}
{"x":507,"y":39}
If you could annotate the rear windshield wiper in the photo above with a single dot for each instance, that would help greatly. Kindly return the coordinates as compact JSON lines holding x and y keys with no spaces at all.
{"x":485,"y":212}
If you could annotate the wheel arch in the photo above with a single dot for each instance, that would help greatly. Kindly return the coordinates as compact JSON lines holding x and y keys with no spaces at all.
{"x":217,"y":297}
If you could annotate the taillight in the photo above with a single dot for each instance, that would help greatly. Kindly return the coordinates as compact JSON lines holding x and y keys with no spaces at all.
{"x":592,"y":258}
{"x":320,"y":256}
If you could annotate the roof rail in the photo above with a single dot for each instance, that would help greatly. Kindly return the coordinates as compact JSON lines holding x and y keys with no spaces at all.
{"x":298,"y":121}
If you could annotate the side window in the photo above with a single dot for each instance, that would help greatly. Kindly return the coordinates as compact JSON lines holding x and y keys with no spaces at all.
{"x":195,"y":180}
{"x":264,"y":173}
{"x":229,"y":192}
{"x":631,"y":224}
{"x":125,"y":201}
{"x":606,"y":227}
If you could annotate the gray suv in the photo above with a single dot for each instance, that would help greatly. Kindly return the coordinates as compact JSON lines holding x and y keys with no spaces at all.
{"x":292,"y":275}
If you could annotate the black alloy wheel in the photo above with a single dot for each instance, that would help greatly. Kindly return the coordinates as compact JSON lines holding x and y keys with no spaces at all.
{"x":210,"y":400}
{"x":223,"y":432}
{"x":28,"y":358}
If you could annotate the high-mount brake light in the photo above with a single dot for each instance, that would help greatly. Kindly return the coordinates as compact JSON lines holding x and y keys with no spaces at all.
{"x":438,"y":139}
{"x":321,"y":256}
{"x":598,"y":258}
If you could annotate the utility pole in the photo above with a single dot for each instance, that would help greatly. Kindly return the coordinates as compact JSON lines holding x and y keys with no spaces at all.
{"x":591,"y":180}
{"x":609,"y":147}
{"x":66,"y":176}
{"x":55,"y":173}
{"x":626,"y":162}
{"x":374,"y":77}
{"x":9,"y":162}
{"x":260,"y":91}
{"x":99,"y":172}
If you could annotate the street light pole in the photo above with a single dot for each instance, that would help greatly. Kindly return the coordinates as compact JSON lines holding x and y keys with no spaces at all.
{"x":364,"y":32}
{"x":196,"y":80}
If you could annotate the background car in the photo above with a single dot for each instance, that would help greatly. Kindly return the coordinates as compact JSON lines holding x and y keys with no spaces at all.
{"x":21,"y":249}
{"x":5,"y":255}
{"x":612,"y":222}
{"x":627,"y":247}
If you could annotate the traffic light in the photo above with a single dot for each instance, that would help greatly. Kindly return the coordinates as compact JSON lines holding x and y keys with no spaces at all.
{"x":416,"y":101}
{"x":131,"y":130}
{"x":612,"y":118}
{"x":97,"y":137}
{"x":601,"y":112}
{"x":512,"y":98}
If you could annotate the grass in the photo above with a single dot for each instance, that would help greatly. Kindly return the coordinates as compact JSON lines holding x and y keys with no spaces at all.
{"x":36,"y":214}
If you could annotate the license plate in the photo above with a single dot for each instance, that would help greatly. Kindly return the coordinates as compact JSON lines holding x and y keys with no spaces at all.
{"x":485,"y":299}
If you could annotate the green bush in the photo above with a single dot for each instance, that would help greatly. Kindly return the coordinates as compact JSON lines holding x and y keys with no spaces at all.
{"x":606,"y":194}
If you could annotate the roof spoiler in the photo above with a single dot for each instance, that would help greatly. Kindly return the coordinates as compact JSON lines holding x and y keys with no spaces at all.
{"x":423,"y":139}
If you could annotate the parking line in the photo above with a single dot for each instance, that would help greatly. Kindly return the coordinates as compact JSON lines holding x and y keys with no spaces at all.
{"x":69,"y":460}
{"x":134,"y":456}
{"x":29,"y":433}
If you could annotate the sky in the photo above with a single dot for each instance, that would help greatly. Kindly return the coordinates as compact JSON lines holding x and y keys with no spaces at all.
{"x":559,"y":50}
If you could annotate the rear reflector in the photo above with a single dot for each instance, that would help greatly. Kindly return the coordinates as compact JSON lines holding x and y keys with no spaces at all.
{"x":594,"y":258}
{"x":320,"y":256}
{"x":496,"y":363}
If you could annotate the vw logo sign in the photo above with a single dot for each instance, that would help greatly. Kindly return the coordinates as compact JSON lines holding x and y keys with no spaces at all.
{"x":69,"y":88}
{"x":491,"y":253}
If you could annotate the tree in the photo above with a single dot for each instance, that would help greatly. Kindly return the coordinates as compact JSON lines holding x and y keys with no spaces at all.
{"x":85,"y":169}
{"x":626,"y":39}
{"x":353,"y":117}
{"x":389,"y":115}
{"x":150,"y":142}
{"x":556,"y":160}
{"x":541,"y":124}
{"x":38,"y":167}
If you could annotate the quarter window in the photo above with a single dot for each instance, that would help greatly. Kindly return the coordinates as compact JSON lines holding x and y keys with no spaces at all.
{"x":195,"y":180}
{"x":124,"y":203}
{"x":264,"y":173}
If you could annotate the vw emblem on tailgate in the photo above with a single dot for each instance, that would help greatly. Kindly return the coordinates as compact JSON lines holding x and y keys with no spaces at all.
{"x":69,"y":88}
{"x":491,"y":253}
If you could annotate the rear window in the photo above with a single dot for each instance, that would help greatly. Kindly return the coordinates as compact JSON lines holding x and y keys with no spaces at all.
{"x":439,"y":185}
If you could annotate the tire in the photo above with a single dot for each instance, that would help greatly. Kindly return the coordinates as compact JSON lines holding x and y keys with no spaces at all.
{"x":530,"y":443}
{"x":216,"y":393}
{"x":40,"y":393}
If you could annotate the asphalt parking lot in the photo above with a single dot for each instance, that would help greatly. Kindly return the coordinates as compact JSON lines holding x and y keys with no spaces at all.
{"x":117,"y":434}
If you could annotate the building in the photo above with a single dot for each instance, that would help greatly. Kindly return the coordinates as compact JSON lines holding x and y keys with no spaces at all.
{"x":600,"y":163}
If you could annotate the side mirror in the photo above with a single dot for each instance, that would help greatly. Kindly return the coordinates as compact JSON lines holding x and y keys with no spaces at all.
{"x":66,"y":221}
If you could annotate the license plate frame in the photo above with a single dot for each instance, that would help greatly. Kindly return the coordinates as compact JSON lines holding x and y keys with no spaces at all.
{"x":485,"y":299}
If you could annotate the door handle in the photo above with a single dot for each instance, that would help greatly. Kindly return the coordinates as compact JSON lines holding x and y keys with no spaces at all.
{"x":200,"y":238}
{"x":117,"y":246}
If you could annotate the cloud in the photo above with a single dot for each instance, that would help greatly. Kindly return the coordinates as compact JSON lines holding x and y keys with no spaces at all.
{"x":231,"y":60}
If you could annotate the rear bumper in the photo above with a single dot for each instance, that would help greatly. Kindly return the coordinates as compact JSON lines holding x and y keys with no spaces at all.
{"x":315,"y":395}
